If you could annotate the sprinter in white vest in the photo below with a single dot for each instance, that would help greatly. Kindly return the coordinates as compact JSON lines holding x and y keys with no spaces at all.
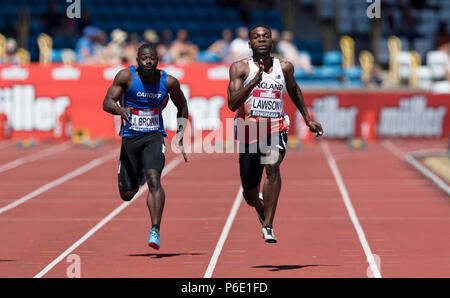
{"x":255,"y":92}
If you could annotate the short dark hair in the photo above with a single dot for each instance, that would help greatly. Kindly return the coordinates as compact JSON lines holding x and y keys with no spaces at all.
{"x":257,"y":26}
{"x":147,"y":46}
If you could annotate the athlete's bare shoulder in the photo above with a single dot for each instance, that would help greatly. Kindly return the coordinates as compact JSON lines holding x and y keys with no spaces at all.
{"x":123,"y":77}
{"x":240,"y":63}
{"x":287,"y":67}
{"x":172,"y":82}
{"x":239,"y":69}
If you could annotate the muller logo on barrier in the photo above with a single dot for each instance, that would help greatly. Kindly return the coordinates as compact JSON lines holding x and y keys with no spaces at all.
{"x":205,"y":112}
{"x":337,"y":122}
{"x":412,"y":118}
{"x":32,"y":99}
{"x":27,"y":113}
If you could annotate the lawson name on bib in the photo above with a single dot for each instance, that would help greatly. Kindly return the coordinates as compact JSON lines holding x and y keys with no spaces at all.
{"x":145,"y":119}
{"x":266,"y":103}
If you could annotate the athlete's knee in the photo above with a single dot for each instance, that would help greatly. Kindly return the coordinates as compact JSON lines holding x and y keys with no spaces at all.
{"x":153,"y":179}
{"x":273,"y":157}
{"x":128,"y":195}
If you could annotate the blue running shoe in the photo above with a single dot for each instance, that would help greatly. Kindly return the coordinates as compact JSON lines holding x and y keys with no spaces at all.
{"x":153,"y":240}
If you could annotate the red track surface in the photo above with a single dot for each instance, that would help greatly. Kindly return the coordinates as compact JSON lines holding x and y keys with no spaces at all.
{"x":404,"y":217}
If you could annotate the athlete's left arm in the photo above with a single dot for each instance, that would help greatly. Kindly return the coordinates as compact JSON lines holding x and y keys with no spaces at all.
{"x":180,"y":102}
{"x":297,"y":97}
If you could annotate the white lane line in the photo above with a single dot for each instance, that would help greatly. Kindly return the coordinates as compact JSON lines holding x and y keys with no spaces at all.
{"x":224,"y":235}
{"x":35,"y":156}
{"x":410,"y":158}
{"x":170,"y":166}
{"x":351,"y":211}
{"x":83,"y":169}
{"x":429,"y":174}
{"x":393,"y":149}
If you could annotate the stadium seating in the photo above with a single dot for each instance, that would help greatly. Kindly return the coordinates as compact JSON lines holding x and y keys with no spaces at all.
{"x":205,"y":20}
{"x":330,"y":74}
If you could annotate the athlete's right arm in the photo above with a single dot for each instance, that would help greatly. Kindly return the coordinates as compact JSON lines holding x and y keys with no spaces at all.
{"x":115,"y":92}
{"x":237,"y":93}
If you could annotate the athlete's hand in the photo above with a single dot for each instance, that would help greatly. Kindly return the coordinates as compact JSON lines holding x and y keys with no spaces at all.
{"x":315,"y":127}
{"x":181,"y":148}
{"x":125,"y":114}
{"x":258,"y":77}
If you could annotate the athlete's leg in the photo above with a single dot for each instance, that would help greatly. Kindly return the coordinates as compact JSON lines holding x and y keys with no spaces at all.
{"x":272,"y":184}
{"x":154,"y":159}
{"x":129,"y":166}
{"x":251,"y":196}
{"x":156,"y":197}
{"x":271,"y":188}
{"x":251,"y":173}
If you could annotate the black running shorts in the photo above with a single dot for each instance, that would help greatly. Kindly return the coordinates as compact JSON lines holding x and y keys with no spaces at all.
{"x":139,"y":154}
{"x":251,"y":158}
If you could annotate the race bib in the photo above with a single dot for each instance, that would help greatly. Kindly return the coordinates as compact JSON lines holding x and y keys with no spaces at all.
{"x":145,"y":119}
{"x":266,"y":103}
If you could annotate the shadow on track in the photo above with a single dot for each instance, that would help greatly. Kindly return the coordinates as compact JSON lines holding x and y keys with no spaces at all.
{"x":287,"y":267}
{"x":159,"y":256}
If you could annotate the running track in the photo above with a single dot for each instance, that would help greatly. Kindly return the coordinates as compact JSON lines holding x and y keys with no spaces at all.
{"x":337,"y":208}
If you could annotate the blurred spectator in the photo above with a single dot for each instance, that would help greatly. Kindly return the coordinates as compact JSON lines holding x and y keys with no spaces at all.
{"x":182,"y":50}
{"x":291,"y":53}
{"x":131,"y":48}
{"x":276,"y":39}
{"x":376,"y":79}
{"x":100,"y":48}
{"x":163,"y":47}
{"x":52,"y":19}
{"x":10,"y":56}
{"x":447,"y":71}
{"x":115,"y":50}
{"x":151,"y":36}
{"x":239,"y":47}
{"x":442,"y":36}
{"x":85,"y":45}
{"x":221,"y":47}
{"x":445,"y":47}
{"x":442,"y":43}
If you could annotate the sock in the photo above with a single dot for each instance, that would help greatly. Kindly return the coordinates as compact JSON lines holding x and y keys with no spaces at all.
{"x":155,"y":227}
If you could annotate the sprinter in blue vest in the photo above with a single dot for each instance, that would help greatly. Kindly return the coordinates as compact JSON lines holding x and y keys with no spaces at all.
{"x":143,"y":93}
